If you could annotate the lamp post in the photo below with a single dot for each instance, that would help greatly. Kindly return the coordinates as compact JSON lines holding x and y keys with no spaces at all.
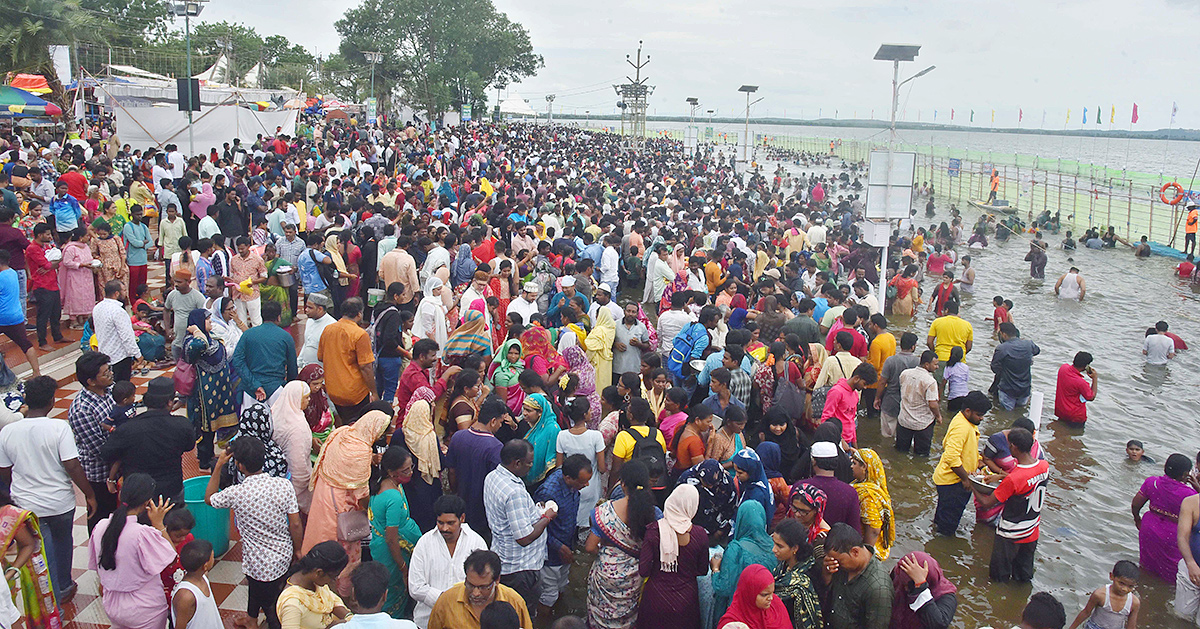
{"x":373,"y":58}
{"x":549,"y":109}
{"x":188,"y":10}
{"x":693,"y":103}
{"x":587,"y":118}
{"x":894,"y":53}
{"x":748,"y":89}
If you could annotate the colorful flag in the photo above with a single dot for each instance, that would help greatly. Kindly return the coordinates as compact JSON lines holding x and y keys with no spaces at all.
{"x":1099,"y":113}
{"x":1020,"y":115}
{"x":952,"y":113}
{"x":993,"y":116}
{"x":1068,"y":115}
{"x":935,"y":114}
{"x":972,"y":115}
{"x":1174,"y":110}
{"x":1134,"y":119}
{"x":1112,"y":118}
{"x":1084,"y":115}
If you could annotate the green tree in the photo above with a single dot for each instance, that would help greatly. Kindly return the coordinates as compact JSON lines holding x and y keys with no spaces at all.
{"x":439,"y":59}
{"x":27,"y":30}
{"x":130,"y":23}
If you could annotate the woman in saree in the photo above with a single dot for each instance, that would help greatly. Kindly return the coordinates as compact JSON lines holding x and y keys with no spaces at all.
{"x":543,"y":435}
{"x":211,"y":406}
{"x":273,"y":289}
{"x":578,"y":362}
{"x":21,"y":527}
{"x":599,"y":344}
{"x":676,"y":285}
{"x":793,"y":575}
{"x":677,"y":260}
{"x":421,"y":440}
{"x":110,"y":251}
{"x":750,"y":546}
{"x":471,"y":337}
{"x":870,"y":481}
{"x":907,"y":288}
{"x":290,"y":431}
{"x":618,"y":528}
{"x":540,"y":355}
{"x":506,"y":367}
{"x":76,"y":278}
{"x":393,"y":531}
{"x":1158,"y":552}
{"x":317,"y":412}
{"x":340,"y":484}
{"x":462,"y":268}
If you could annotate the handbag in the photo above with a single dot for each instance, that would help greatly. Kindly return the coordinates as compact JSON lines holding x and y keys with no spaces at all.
{"x":353,"y":526}
{"x":184,"y":377}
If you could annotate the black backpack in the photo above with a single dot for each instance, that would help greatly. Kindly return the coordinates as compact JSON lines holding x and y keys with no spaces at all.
{"x":647,"y":445}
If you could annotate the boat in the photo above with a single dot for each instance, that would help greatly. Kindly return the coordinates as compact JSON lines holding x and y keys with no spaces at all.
{"x":1000,"y":207}
{"x":1165,"y":251}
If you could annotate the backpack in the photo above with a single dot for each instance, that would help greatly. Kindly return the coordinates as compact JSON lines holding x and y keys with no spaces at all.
{"x":373,"y":329}
{"x":647,"y":445}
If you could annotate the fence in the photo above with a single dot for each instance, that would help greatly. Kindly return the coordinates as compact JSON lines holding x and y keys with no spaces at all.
{"x":1083,"y":195}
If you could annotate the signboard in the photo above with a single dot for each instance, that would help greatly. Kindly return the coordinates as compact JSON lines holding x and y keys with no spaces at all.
{"x":372,"y":111}
{"x":708,"y":134}
{"x":894,"y":205}
{"x":189,"y":94}
{"x":466,"y":112}
{"x":955,"y":167}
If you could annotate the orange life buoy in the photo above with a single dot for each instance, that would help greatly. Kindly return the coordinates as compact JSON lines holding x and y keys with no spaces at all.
{"x":1162,"y":194}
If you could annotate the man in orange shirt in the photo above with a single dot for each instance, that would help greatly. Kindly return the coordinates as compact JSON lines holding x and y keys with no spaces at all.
{"x":995,"y":186}
{"x":714,"y":275}
{"x":883,"y":347}
{"x":1189,"y":228}
{"x":345,"y":351}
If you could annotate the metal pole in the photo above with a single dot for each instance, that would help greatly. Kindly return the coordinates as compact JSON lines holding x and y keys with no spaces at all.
{"x":887,"y":195}
{"x":187,"y":29}
{"x":373,"y":80}
{"x":746,"y":146}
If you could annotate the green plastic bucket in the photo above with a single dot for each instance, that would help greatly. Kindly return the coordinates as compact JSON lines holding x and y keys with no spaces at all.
{"x":212,"y":525}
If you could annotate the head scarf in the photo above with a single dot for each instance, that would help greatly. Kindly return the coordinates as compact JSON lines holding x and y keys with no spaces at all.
{"x":599,"y":341}
{"x":677,"y":260}
{"x":255,"y":421}
{"x":318,"y":402}
{"x":771,"y":457}
{"x":678,"y":512}
{"x":814,"y":498}
{"x":718,"y":495}
{"x":788,"y":442}
{"x":535,"y":341}
{"x":903,"y":617}
{"x":470,"y":338}
{"x":758,"y":488}
{"x":738,"y":301}
{"x":543,"y":436}
{"x":419,"y":433}
{"x":750,"y":532}
{"x":652,"y":329}
{"x":744,"y":608}
{"x":818,"y":353}
{"x":197,"y":318}
{"x":504,"y":373}
{"x":463,"y":267}
{"x":345,"y":459}
{"x":873,"y":494}
{"x":287,"y":418}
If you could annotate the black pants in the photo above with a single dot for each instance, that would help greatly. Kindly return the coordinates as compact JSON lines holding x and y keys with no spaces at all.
{"x":106,"y":503}
{"x":262,"y":596}
{"x":1012,"y":561}
{"x":952,"y":499}
{"x":123,"y":369}
{"x":293,"y":299}
{"x":867,"y":402}
{"x":350,"y":414}
{"x":49,"y":312}
{"x":527,"y":584}
{"x":920,"y":440}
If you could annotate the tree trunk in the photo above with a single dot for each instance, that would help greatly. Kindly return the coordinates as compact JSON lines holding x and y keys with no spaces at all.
{"x":58,"y":94}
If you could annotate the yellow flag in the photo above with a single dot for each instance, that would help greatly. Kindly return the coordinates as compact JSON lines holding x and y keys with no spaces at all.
{"x":1112,"y":119}
{"x":993,"y":115}
{"x":1068,"y":115}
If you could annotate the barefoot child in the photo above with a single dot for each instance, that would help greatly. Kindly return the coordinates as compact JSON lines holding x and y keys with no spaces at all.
{"x":192,"y":604}
{"x":1114,"y":606}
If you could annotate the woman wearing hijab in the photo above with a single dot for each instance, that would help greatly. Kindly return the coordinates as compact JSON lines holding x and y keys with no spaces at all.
{"x":421,"y":439}
{"x":807,"y":504}
{"x":472,"y":337}
{"x":779,"y":429}
{"x":506,"y":367}
{"x":317,"y":412}
{"x":673,"y":556}
{"x":918,"y":579}
{"x":226,"y":326}
{"x":599,"y":346}
{"x":718,"y":497}
{"x":211,"y":405}
{"x":751,"y":546}
{"x":755,"y":604}
{"x":255,"y":421}
{"x":290,"y":431}
{"x":430,"y":321}
{"x":543,"y":436}
{"x":769,"y":454}
{"x":339,"y":484}
{"x":463,"y":267}
{"x":581,"y":368}
{"x":752,"y":479}
{"x":677,"y":285}
{"x":678,"y":262}
{"x":870,"y":481}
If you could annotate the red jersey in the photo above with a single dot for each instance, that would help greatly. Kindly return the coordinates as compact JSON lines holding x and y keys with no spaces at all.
{"x":1185,"y":269}
{"x":1023,"y":493}
{"x":999,"y":315}
{"x":1071,"y":395}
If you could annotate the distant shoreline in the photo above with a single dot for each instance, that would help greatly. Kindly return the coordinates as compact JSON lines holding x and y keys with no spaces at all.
{"x":1187,"y":135}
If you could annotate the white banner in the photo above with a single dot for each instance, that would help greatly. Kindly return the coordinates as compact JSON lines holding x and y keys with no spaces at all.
{"x":145,"y":127}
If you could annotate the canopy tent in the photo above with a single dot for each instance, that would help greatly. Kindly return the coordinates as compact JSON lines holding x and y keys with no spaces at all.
{"x":16,"y":102}
{"x":145,"y":127}
{"x":138,"y":72}
{"x":516,"y":105}
{"x":32,"y":83}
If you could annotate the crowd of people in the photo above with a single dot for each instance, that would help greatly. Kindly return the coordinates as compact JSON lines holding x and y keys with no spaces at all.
{"x":521,"y":346}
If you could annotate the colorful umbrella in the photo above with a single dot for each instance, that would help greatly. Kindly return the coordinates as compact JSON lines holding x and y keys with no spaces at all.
{"x":18,"y":102}
{"x":32,"y":83}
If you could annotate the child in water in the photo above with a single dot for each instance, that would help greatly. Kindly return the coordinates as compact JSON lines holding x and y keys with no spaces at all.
{"x":1114,"y":606}
{"x":1136,"y":452}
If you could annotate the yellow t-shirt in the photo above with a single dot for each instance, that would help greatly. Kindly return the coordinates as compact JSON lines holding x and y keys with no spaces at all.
{"x":883,"y":347}
{"x":950,"y":331}
{"x":959,"y":448}
{"x":623,"y":445}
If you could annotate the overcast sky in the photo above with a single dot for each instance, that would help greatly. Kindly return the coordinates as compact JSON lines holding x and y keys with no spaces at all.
{"x":809,"y":57}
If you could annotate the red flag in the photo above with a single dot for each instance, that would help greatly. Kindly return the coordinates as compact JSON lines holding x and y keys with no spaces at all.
{"x":1134,"y":120}
{"x":952,"y":113}
{"x":1020,"y":115}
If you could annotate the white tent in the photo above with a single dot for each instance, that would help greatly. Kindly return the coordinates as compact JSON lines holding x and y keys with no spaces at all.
{"x":255,"y":74}
{"x":217,"y":73}
{"x":144,"y":127}
{"x":516,"y":105}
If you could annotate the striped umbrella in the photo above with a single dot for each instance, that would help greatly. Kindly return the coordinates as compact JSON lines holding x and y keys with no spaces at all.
{"x":16,"y":102}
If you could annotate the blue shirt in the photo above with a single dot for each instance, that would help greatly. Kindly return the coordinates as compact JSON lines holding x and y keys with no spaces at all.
{"x":561,"y":530}
{"x":10,"y":299}
{"x":376,"y":621}
{"x":66,"y":212}
{"x":821,"y":308}
{"x":137,"y":241}
{"x":714,"y":404}
{"x":310,"y":279}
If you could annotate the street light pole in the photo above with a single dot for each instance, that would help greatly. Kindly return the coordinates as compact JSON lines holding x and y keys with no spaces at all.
{"x":748,"y":89}
{"x":549,"y":109}
{"x":188,"y":9}
{"x":373,"y":58}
